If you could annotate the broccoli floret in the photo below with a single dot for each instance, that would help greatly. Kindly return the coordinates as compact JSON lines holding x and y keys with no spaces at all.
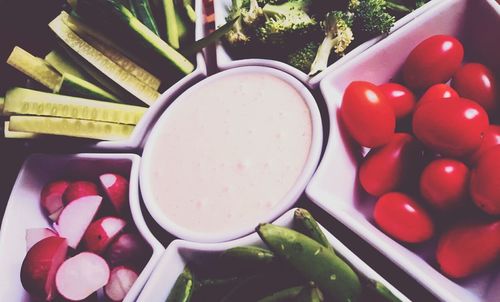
{"x":252,"y":13}
{"x":285,"y":21}
{"x":237,"y":34}
{"x":370,"y":17}
{"x":303,"y":58}
{"x":338,"y":36}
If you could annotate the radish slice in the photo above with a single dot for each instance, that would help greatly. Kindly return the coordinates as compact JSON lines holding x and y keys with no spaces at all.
{"x":40,"y":266}
{"x":101,"y":233}
{"x":76,"y":217}
{"x":121,"y":280}
{"x":35,"y":235}
{"x":116,"y":188}
{"x":51,"y":198}
{"x":79,"y":277}
{"x":129,"y":249}
{"x":79,"y":189}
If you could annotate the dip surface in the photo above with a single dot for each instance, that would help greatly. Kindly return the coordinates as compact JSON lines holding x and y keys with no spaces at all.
{"x":229,"y":151}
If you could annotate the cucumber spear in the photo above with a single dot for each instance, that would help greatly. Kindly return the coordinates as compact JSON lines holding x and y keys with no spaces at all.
{"x":142,"y":10}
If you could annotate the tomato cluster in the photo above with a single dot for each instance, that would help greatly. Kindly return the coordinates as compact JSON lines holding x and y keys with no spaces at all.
{"x":449,"y":155}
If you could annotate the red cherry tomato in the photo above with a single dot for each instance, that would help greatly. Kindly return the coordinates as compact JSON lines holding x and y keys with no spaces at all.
{"x":367,"y":115}
{"x":400,"y":98}
{"x":476,"y":82}
{"x":491,"y":138}
{"x":432,"y":61}
{"x":444,"y":184}
{"x":401,"y":217}
{"x":438,"y":92}
{"x":453,"y":128}
{"x":485,"y":181}
{"x":386,"y":168}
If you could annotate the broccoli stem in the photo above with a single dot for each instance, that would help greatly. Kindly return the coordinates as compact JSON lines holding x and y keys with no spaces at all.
{"x":396,"y":7}
{"x":172,"y":30}
{"x":325,"y":48}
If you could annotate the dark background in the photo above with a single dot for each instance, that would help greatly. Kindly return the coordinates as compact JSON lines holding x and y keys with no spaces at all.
{"x":24,"y":23}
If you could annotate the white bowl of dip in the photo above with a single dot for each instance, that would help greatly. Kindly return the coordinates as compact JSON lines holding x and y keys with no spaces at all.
{"x":236,"y":149}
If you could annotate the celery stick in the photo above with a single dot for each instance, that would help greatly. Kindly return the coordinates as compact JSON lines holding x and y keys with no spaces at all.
{"x":142,"y":11}
{"x":103,"y":63}
{"x":110,"y":50}
{"x":17,"y":134}
{"x":31,"y":102}
{"x":70,"y":127}
{"x":60,"y":62}
{"x":74,"y":86}
{"x":35,"y":68}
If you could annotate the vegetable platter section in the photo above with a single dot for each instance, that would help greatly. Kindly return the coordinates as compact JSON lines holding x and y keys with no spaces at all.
{"x":379,"y":119}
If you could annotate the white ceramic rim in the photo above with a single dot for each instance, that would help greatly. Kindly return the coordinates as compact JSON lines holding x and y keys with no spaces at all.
{"x":134,"y":202}
{"x":156,"y":281}
{"x":141,"y":129}
{"x":224,"y":60}
{"x":290,"y":198}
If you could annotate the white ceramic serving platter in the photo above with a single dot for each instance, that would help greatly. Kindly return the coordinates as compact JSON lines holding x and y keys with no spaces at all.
{"x":224,"y":60}
{"x":334,"y":186}
{"x":181,"y":252}
{"x":23,"y":211}
{"x":136,"y":139}
{"x":288,"y":200}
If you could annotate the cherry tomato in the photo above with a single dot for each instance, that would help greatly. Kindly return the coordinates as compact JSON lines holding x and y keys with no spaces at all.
{"x":438,"y":92}
{"x":401,"y":217}
{"x":432,"y":61}
{"x":400,"y":98}
{"x":476,"y":82}
{"x":491,"y":138}
{"x":367,"y":115}
{"x":385,"y":169}
{"x":453,"y":128}
{"x":485,"y":181}
{"x":444,"y":184}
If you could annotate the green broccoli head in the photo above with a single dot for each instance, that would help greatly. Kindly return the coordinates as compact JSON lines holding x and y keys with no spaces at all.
{"x":371,"y":17}
{"x":338,"y":36}
{"x":248,"y":14}
{"x":285,"y":21}
{"x":303,"y":58}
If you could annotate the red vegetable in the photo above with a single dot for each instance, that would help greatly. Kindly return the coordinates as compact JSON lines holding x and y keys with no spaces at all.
{"x":79,"y":189}
{"x":386,"y":168}
{"x":51,"y":198}
{"x":476,"y":82}
{"x":400,"y":98}
{"x":491,"y":138}
{"x":367,"y":115}
{"x":438,"y":92}
{"x":432,"y":61}
{"x":485,"y":182}
{"x":401,"y":217}
{"x":453,"y":128}
{"x":466,"y":249}
{"x":444,"y":184}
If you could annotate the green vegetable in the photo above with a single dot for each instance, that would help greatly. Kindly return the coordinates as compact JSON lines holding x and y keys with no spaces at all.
{"x":209,"y":39}
{"x":286,"y":22}
{"x":32,"y":102}
{"x":335,"y":278}
{"x":170,"y":16}
{"x":309,"y":294}
{"x":35,"y":68}
{"x":103,"y":63}
{"x":15,"y":134}
{"x":338,"y":36}
{"x":370,"y":17}
{"x":307,"y":225}
{"x":205,"y":283}
{"x":183,"y":287}
{"x":115,"y":16}
{"x":303,"y":58}
{"x":70,"y":127}
{"x":2,"y":103}
{"x":60,"y":62}
{"x":385,"y":293}
{"x":189,"y":10}
{"x":284,"y":295}
{"x":111,"y":50}
{"x":142,"y":10}
{"x":74,"y":86}
{"x":249,"y":254}
{"x":238,"y":34}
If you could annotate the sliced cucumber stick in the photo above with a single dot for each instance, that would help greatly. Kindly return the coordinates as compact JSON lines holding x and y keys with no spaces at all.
{"x":70,"y":127}
{"x":103,"y":63}
{"x":32,"y":102}
{"x":2,"y":102}
{"x":142,"y":11}
{"x":172,"y":31}
{"x":15,"y":134}
{"x":112,"y":51}
{"x":71,"y":85}
{"x":35,"y":68}
{"x":62,"y":63}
